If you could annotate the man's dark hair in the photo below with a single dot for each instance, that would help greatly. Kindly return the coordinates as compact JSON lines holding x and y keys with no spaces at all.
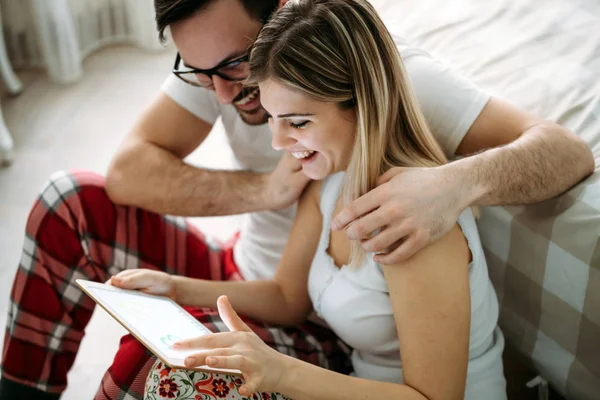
{"x":171,"y":11}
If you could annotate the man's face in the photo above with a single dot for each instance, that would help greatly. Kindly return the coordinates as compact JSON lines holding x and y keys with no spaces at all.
{"x":223,"y":31}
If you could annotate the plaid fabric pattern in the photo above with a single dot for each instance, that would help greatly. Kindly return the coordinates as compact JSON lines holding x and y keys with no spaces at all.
{"x":74,"y":231}
{"x":544,"y":259}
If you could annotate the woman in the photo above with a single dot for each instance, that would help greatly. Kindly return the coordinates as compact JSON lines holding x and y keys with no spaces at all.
{"x":339,"y":100}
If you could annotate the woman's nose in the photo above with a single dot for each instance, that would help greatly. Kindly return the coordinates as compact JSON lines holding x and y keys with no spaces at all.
{"x":225,"y":90}
{"x":281,"y":139}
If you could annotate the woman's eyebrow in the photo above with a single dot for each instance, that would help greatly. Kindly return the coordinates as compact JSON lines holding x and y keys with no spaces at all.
{"x":291,"y":115}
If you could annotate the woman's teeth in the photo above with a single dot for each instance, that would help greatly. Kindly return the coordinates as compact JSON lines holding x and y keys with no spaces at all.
{"x":302,"y":154}
{"x":248,"y":98}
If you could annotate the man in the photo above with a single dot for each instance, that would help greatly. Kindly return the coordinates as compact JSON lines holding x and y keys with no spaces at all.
{"x":77,"y":230}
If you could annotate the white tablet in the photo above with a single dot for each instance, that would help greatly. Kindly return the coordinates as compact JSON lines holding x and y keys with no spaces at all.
{"x":156,"y":321}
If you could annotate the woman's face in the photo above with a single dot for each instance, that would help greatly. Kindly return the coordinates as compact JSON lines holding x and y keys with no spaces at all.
{"x":319,"y":134}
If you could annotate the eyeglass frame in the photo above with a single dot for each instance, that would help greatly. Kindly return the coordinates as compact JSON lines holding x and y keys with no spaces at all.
{"x":208,"y":72}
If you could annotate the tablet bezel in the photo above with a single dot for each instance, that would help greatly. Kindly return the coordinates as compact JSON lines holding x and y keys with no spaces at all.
{"x":170,"y":362}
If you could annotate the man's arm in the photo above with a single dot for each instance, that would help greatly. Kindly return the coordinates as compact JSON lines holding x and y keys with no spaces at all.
{"x":148,"y":171}
{"x":522,"y":159}
{"x":529,"y":159}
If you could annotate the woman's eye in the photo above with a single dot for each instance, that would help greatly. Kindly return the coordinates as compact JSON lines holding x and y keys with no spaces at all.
{"x":299,"y":125}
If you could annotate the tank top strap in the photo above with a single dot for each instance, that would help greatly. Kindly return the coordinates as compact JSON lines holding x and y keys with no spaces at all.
{"x":330,"y":192}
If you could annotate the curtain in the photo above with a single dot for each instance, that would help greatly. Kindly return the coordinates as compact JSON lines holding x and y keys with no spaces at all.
{"x":58,"y":34}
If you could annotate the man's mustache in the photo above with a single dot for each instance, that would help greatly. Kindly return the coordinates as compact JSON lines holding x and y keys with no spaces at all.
{"x":245,"y":92}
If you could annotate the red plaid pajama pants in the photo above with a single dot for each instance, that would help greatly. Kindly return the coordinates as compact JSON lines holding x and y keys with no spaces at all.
{"x":74,"y":231}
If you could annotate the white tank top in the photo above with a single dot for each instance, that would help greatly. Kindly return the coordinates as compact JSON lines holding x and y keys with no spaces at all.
{"x":356,"y":305}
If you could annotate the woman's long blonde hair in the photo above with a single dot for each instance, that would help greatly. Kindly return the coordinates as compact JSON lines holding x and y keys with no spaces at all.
{"x":340,"y":51}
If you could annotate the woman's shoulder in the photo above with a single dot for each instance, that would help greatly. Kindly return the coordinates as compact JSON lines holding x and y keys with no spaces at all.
{"x":313,"y":189}
{"x":311,"y":195}
{"x":448,"y":256}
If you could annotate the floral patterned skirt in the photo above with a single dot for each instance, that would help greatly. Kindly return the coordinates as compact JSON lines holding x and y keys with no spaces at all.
{"x":181,"y":384}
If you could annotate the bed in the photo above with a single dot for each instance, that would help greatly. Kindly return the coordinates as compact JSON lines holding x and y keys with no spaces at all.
{"x":544,"y":259}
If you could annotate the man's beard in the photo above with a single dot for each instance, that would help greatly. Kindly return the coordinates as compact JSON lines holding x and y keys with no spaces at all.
{"x":257,"y":116}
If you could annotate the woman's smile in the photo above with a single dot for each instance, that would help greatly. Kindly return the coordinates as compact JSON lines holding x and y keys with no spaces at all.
{"x":306,"y":156}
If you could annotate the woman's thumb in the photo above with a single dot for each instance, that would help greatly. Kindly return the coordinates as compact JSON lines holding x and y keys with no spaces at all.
{"x":230,"y":317}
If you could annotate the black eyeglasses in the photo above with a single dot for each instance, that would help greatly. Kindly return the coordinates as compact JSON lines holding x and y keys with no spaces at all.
{"x":235,"y":70}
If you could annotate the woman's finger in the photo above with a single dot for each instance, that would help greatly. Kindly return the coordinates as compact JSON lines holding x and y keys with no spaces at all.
{"x":202,"y":357}
{"x":128,"y":272}
{"x":212,"y":341}
{"x":250,"y":386}
{"x":120,"y":275}
{"x":225,"y":361}
{"x":230,"y":317}
{"x":134,"y":280}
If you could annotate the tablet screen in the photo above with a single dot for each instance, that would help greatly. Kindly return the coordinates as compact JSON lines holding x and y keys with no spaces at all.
{"x":157,"y":320}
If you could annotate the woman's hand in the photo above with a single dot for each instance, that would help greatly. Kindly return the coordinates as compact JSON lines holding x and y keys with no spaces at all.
{"x":147,"y":281}
{"x":261,"y":366}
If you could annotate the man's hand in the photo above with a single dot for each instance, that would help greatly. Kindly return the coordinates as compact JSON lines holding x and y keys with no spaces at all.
{"x":410,"y":208}
{"x":285,"y":183}
{"x":147,"y":281}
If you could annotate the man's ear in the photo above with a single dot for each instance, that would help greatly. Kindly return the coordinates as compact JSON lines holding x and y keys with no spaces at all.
{"x":281,"y":3}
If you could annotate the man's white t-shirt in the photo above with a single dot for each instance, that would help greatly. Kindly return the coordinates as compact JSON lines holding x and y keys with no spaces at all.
{"x":449,"y":102}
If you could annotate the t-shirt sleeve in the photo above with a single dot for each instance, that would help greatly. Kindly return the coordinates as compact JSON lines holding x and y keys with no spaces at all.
{"x":200,"y":102}
{"x":449,"y":102}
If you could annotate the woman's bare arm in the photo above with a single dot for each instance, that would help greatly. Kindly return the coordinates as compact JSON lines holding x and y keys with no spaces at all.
{"x":431,"y":301}
{"x":282,"y":301}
